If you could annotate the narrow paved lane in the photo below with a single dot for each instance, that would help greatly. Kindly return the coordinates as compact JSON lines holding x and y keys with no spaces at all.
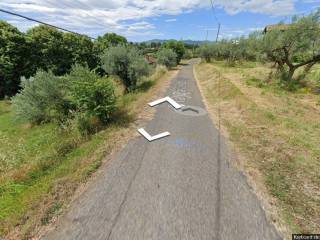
{"x":173,"y":188}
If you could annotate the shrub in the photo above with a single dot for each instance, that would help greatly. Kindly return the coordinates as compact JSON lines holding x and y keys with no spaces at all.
{"x":178,"y":47}
{"x":41,"y":99}
{"x":159,"y":71}
{"x":188,"y":54}
{"x":167,"y":57}
{"x":90,"y":94}
{"x":81,"y":96}
{"x":234,"y":50}
{"x":85,"y":124}
{"x":206,"y":52}
{"x":146,"y":83}
{"x":127,"y":63}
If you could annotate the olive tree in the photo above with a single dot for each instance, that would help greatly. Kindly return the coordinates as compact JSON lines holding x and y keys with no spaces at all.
{"x":167,"y":57}
{"x":42,"y":98}
{"x":127,"y":63}
{"x":207,"y":52}
{"x":295,"y":47}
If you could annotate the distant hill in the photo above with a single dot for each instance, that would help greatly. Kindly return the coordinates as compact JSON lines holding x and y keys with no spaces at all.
{"x":189,"y":42}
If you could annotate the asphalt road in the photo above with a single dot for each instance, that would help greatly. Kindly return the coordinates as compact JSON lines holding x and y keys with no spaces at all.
{"x":173,"y":188}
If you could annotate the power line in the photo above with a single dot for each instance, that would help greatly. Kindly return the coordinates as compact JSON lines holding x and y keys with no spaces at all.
{"x":214,"y":12}
{"x":68,"y":5}
{"x":47,"y":24}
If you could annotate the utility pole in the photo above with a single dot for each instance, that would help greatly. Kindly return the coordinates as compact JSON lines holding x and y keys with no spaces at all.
{"x":218,"y":32}
{"x":207,"y":35}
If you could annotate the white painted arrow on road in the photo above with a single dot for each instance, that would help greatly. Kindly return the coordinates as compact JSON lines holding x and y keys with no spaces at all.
{"x":151,"y":138}
{"x":166,"y":99}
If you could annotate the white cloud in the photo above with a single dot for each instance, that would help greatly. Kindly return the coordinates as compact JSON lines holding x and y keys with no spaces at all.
{"x":269,"y":7}
{"x":311,"y":1}
{"x":128,"y":17}
{"x":171,"y":20}
{"x":230,"y":32}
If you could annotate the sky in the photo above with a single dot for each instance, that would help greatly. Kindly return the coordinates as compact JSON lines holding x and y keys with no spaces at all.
{"x":141,"y":20}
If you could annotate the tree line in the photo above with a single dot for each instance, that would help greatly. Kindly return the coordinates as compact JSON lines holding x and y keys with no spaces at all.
{"x":44,"y":48}
{"x":289,"y":47}
{"x":48,"y":49}
{"x":68,"y":79}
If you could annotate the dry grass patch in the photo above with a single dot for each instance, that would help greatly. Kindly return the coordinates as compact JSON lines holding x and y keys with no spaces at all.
{"x":276,"y":132}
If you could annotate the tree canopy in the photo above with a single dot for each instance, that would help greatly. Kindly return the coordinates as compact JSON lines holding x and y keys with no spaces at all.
{"x":127,"y":63}
{"x":109,"y":40}
{"x":295,"y":47}
{"x":290,"y":48}
{"x":167,"y":57}
{"x":46,"y":48}
{"x":14,"y":59}
{"x":178,"y":47}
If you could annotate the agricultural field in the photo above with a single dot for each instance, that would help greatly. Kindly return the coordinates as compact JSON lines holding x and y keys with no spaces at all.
{"x":276,"y":134}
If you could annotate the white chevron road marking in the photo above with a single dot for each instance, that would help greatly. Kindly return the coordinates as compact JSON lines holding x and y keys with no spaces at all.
{"x":152,"y":138}
{"x":165,"y":99}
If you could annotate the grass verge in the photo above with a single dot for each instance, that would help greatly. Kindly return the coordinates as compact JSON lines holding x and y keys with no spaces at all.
{"x":277,"y":136}
{"x":41,"y":167}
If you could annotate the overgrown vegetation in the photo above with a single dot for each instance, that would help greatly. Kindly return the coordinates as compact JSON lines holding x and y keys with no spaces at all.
{"x":90,"y":95}
{"x":42,"y":47}
{"x":177,"y":47}
{"x":167,"y":57}
{"x":45,"y":48}
{"x":42,"y":164}
{"x":81,"y":95}
{"x":69,"y":101}
{"x":42,"y":98}
{"x":13,"y":59}
{"x":127,"y":63}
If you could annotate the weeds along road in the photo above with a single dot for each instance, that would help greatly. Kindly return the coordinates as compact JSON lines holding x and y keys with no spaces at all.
{"x":173,"y":188}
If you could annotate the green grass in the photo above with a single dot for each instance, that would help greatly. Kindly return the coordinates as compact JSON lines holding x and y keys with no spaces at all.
{"x":33,"y":158}
{"x":237,"y":65}
{"x":256,"y":82}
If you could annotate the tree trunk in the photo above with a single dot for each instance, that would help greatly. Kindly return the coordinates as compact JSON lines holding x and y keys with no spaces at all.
{"x":290,"y":73}
{"x":280,"y":66}
{"x":308,"y":67}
